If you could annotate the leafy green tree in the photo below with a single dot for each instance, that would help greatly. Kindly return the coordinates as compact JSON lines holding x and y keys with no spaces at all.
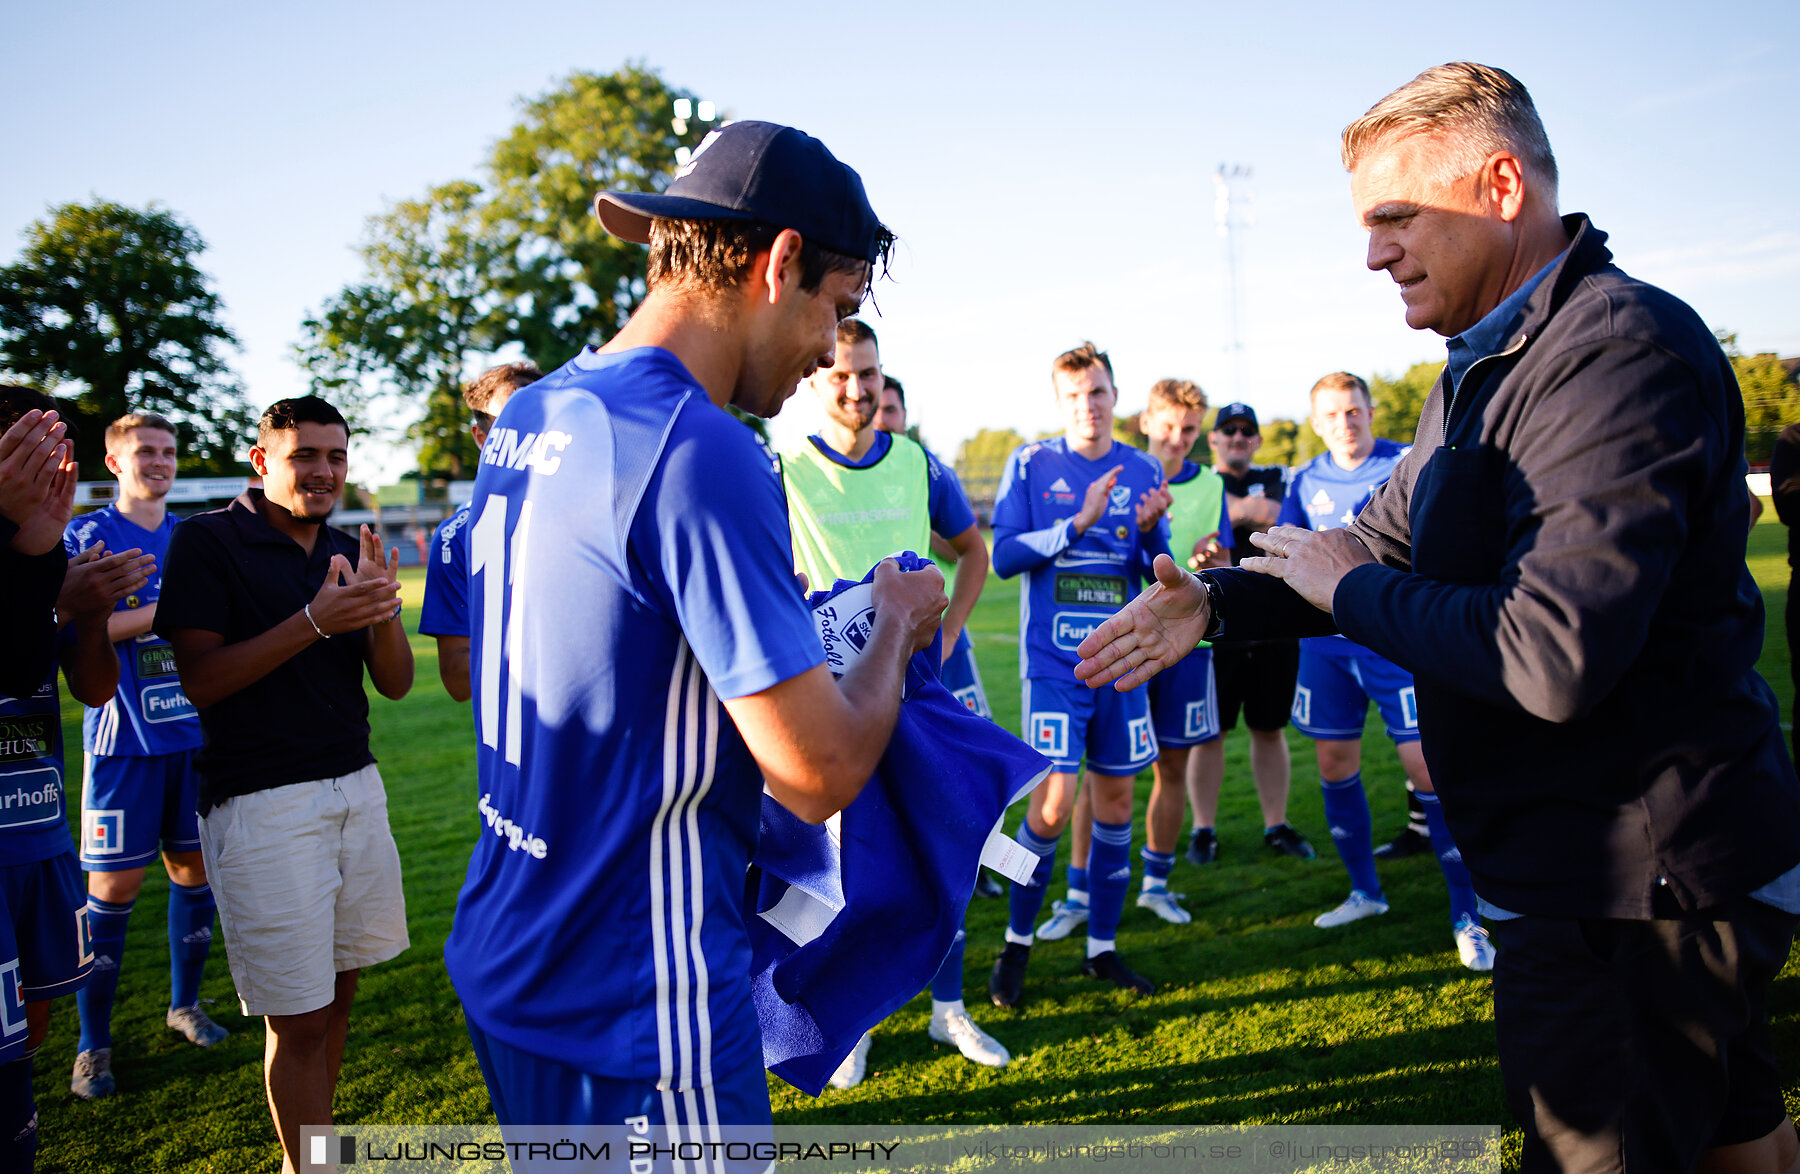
{"x":1771,"y":398}
{"x":108,"y":307}
{"x":410,"y":330}
{"x":565,"y":280}
{"x":980,"y":462}
{"x":1398,"y":402}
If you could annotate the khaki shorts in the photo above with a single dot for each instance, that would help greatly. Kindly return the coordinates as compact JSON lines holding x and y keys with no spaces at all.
{"x":307,"y":881}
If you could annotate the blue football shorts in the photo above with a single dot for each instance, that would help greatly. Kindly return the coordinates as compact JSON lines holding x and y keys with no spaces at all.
{"x":1184,"y":704}
{"x":963,"y":679}
{"x":1338,"y":679}
{"x":733,"y":1111}
{"x":45,"y":951}
{"x":132,"y":805}
{"x":1065,"y":720}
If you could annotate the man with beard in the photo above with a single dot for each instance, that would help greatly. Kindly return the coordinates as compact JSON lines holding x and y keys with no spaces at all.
{"x":273,"y":617}
{"x":855,"y":494}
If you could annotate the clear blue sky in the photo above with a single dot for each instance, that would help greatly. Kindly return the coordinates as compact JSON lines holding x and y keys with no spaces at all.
{"x":1048,"y":167}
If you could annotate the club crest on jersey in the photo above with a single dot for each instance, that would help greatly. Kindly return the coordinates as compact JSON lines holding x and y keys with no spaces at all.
{"x":1120,"y":498}
{"x":844,"y":623}
{"x":1050,"y":734}
{"x":102,"y":833}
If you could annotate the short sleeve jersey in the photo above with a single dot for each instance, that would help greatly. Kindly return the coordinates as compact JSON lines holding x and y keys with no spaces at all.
{"x":34,"y":825}
{"x":1268,"y":481}
{"x":149,"y":714}
{"x":1072,"y":593}
{"x":630,"y":567}
{"x":445,"y":611}
{"x":1324,"y":496}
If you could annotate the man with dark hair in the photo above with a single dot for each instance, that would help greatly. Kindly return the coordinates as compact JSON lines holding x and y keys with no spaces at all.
{"x":645,"y":663}
{"x":274,"y":615}
{"x":44,"y":947}
{"x":1079,"y":515}
{"x":1560,"y":554}
{"x":856,"y":494}
{"x":140,"y":788}
{"x":444,"y":613}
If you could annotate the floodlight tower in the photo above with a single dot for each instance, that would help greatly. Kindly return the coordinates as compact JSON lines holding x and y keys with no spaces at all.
{"x":1232,"y":210}
{"x":688,"y":111}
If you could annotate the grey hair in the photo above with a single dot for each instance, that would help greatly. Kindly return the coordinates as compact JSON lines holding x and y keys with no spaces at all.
{"x":1477,"y":109}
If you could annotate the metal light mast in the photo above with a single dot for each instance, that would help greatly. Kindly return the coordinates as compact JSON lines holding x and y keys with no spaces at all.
{"x":1232,"y":210}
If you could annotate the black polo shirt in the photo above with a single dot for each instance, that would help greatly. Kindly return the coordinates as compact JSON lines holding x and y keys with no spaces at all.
{"x":229,"y":571}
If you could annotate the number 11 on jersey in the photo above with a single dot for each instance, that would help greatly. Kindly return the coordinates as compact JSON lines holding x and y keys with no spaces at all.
{"x":497,"y":568}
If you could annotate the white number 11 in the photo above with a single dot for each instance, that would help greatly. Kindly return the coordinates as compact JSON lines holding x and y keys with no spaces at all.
{"x":487,"y":553}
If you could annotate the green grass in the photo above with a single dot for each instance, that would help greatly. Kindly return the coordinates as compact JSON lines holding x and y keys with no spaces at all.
{"x":1260,"y":1017}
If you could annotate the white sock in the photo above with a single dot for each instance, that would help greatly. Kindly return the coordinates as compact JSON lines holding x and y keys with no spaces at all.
{"x":1020,"y":939}
{"x":1076,"y":897}
{"x":1096,"y":947}
{"x":941,"y":1011}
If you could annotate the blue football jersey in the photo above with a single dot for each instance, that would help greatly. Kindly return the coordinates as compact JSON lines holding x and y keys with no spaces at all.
{"x":445,"y":611}
{"x":629,"y":566}
{"x":33,"y":823}
{"x":1071,"y":584}
{"x":149,"y":714}
{"x":1323,"y":496}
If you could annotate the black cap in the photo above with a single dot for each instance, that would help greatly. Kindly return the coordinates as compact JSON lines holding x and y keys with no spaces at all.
{"x":1236,"y":412}
{"x":758,"y":171}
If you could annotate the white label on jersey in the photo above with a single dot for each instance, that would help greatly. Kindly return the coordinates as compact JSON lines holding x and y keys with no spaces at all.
{"x":102,"y":832}
{"x":1143,"y":742}
{"x":1008,"y":857}
{"x":165,"y":703}
{"x":1302,"y":712}
{"x":12,"y":998}
{"x":1069,"y":628}
{"x":31,"y":796}
{"x":844,"y":623}
{"x":1049,"y":734}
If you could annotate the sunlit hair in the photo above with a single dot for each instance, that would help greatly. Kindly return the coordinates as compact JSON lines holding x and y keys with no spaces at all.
{"x":120,"y":429}
{"x":1342,"y":381}
{"x":1471,"y":111}
{"x":714,"y":255}
{"x":854,"y":330}
{"x":1080,"y":359}
{"x":286,"y":415}
{"x":499,"y":381}
{"x":1178,"y":395}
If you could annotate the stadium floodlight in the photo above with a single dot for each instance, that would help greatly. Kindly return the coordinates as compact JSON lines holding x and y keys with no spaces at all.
{"x":707,"y":112}
{"x":682,"y":155}
{"x":684,"y":109}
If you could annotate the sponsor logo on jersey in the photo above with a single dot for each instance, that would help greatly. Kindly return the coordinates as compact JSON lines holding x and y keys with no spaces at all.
{"x":102,"y":832}
{"x":1050,"y":734}
{"x":1068,"y":629}
{"x":1321,"y":503}
{"x":29,"y":797}
{"x":165,"y":703}
{"x":1090,"y":590}
{"x":517,"y":838}
{"x":1060,"y":486}
{"x":1143,"y":741}
{"x":24,"y":736}
{"x":1089,"y":558}
{"x":537,"y":451}
{"x":1119,"y":533}
{"x":447,"y":536}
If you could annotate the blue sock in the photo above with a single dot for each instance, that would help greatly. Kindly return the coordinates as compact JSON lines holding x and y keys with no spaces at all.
{"x":1025,"y":902}
{"x":1078,"y":879}
{"x":1109,"y":871}
{"x":1347,"y":811}
{"x":106,"y":927}
{"x":190,"y":940}
{"x":947,"y":983}
{"x":1456,"y":873}
{"x":18,"y":1118}
{"x":1156,"y":868}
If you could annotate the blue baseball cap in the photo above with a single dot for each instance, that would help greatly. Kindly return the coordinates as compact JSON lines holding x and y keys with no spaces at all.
{"x":758,"y":171}
{"x":1238,"y":411}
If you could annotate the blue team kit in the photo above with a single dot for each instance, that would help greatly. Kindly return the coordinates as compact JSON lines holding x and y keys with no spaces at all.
{"x":1339,"y":677}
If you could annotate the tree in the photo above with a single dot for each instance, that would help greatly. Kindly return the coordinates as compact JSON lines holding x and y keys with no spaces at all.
{"x":1771,"y":398}
{"x":409,"y":330}
{"x":980,"y":462}
{"x":110,"y":299}
{"x":567,"y":282}
{"x":1398,"y":402}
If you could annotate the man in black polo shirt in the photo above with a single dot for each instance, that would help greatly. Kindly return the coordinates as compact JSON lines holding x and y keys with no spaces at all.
{"x":273,"y":615}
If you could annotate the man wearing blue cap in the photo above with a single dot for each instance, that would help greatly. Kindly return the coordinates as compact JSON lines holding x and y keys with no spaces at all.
{"x":643,"y":661}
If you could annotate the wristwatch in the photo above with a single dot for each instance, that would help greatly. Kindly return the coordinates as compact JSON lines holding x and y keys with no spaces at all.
{"x":1215,"y":622}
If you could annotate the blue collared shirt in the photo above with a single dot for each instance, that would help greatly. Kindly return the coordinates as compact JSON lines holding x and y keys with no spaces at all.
{"x":1491,"y":335}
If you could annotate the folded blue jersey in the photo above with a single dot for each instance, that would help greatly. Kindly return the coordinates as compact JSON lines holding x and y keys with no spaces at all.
{"x":852,"y":917}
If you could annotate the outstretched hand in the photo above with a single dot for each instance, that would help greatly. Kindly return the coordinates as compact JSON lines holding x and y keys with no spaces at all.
{"x":1152,"y":633}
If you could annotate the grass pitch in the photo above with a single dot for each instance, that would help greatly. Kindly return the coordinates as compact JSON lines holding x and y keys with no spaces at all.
{"x":1260,"y":1018}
